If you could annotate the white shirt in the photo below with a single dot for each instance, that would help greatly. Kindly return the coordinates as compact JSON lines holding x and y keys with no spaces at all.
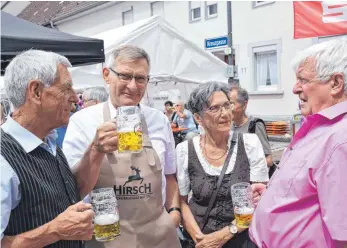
{"x":82,"y":129}
{"x":254,"y":151}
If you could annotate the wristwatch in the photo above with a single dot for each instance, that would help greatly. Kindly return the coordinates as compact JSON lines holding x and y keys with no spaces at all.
{"x":233,"y":229}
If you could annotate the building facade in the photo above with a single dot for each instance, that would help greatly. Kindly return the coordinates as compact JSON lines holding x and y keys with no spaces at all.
{"x":262,"y":37}
{"x":264,"y":48}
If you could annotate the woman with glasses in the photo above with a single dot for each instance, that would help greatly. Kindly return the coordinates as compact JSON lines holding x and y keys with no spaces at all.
{"x":200,"y":162}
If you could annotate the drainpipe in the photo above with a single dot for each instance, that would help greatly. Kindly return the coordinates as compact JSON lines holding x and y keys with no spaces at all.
{"x":230,"y":40}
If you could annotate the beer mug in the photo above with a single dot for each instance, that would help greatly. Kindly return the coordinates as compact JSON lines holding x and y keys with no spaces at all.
{"x":129,"y":129}
{"x":242,"y":198}
{"x":106,"y":219}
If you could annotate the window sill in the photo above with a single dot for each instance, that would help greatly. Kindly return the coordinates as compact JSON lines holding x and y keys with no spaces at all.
{"x":195,"y":20}
{"x":266,"y":92}
{"x":257,"y":5}
{"x":211,"y":16}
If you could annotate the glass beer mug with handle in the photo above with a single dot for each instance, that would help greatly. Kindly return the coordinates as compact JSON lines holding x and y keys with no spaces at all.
{"x":129,"y":129}
{"x":106,"y":219}
{"x":241,"y":194}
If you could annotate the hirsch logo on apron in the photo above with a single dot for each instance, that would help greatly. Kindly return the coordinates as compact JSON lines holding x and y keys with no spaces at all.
{"x":127,"y":192}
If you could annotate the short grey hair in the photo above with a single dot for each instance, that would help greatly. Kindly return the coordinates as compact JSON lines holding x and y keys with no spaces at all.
{"x":330,"y":57}
{"x":128,"y":52}
{"x":96,"y":93}
{"x":198,"y":99}
{"x":31,"y":65}
{"x":242,"y":94}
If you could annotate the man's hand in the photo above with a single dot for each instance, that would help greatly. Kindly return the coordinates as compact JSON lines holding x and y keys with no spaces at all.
{"x":257,"y":189}
{"x":212,"y":240}
{"x":176,"y":217}
{"x":75,"y":223}
{"x":106,"y":137}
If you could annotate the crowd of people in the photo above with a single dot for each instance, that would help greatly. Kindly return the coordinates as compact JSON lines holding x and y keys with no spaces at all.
{"x":43,"y":183}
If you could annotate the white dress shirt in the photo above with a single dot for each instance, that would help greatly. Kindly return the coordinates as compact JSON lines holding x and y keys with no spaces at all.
{"x":254,"y":151}
{"x":82,"y":129}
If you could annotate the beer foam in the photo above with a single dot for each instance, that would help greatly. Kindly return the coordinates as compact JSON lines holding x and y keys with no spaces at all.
{"x":106,"y":219}
{"x":244,"y":210}
{"x":126,"y":130}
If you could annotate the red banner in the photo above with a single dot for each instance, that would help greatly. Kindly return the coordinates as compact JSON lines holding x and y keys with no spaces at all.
{"x":314,"y":19}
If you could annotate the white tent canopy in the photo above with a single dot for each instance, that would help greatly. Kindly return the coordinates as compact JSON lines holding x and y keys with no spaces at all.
{"x":177,"y":64}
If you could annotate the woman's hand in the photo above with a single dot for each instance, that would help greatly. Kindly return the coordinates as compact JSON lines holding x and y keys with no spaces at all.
{"x":213,"y":240}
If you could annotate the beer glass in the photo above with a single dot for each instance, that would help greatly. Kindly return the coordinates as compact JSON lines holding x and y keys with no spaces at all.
{"x":241,"y":194}
{"x":106,"y":219}
{"x":129,"y":129}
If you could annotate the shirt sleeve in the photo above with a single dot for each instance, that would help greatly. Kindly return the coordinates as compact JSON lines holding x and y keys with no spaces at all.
{"x":10,"y":193}
{"x":330,"y":181}
{"x":260,"y":131}
{"x":182,"y":168}
{"x":259,"y":171}
{"x":170,"y":156}
{"x":75,"y":144}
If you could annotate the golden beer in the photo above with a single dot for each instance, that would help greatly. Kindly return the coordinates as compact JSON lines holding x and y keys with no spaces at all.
{"x":106,"y":227}
{"x":243,"y":217}
{"x":130,"y":141}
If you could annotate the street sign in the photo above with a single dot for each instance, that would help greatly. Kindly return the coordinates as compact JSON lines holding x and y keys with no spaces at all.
{"x":216,"y":42}
{"x":230,"y":71}
{"x":227,"y":51}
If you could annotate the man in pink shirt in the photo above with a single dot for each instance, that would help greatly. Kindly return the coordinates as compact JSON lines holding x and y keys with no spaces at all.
{"x":305,"y":203}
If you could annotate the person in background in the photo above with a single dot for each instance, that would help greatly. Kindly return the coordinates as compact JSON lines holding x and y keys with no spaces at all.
{"x":93,"y":96}
{"x":199,"y":165}
{"x":40,"y":198}
{"x":149,"y":210}
{"x":62,"y":130}
{"x":169,"y":111}
{"x":304,"y":205}
{"x":244,"y":124}
{"x":185,"y":119}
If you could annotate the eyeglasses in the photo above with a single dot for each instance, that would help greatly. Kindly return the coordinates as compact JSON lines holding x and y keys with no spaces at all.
{"x":127,"y":77}
{"x":217,"y":108}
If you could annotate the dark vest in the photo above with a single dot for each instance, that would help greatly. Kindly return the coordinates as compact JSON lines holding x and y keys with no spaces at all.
{"x":47,"y":188}
{"x":203,"y":185}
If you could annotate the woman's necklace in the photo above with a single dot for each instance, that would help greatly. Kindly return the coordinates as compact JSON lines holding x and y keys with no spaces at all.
{"x":205,"y":151}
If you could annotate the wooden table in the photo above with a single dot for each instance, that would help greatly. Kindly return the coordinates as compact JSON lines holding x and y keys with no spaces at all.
{"x":179,"y":129}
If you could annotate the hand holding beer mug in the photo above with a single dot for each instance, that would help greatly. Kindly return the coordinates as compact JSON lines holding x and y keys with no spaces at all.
{"x":129,"y":129}
{"x":242,"y":198}
{"x":106,"y":219}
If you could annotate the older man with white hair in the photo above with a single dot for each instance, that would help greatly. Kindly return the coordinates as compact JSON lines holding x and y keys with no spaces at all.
{"x":40,"y":200}
{"x":305,"y":203}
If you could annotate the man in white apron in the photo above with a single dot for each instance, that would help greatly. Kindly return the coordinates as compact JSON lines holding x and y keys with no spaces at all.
{"x":90,"y":146}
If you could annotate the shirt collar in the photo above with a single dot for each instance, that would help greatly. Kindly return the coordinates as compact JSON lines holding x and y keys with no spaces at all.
{"x":334,"y":111}
{"x":25,"y":138}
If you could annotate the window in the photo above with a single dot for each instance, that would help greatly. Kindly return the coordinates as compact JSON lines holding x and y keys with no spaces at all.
{"x":157,"y":8}
{"x":127,"y":17}
{"x":195,"y":10}
{"x":256,"y":4}
{"x":266,"y":70}
{"x":266,"y":65}
{"x":211,"y":9}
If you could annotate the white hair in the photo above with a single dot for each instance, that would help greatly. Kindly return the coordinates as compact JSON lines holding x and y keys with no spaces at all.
{"x":27,"y":66}
{"x":128,"y":52}
{"x":330,"y":57}
{"x":96,"y":93}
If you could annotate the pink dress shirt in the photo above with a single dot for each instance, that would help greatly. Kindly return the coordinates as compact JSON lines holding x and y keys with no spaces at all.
{"x":305,"y":204}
